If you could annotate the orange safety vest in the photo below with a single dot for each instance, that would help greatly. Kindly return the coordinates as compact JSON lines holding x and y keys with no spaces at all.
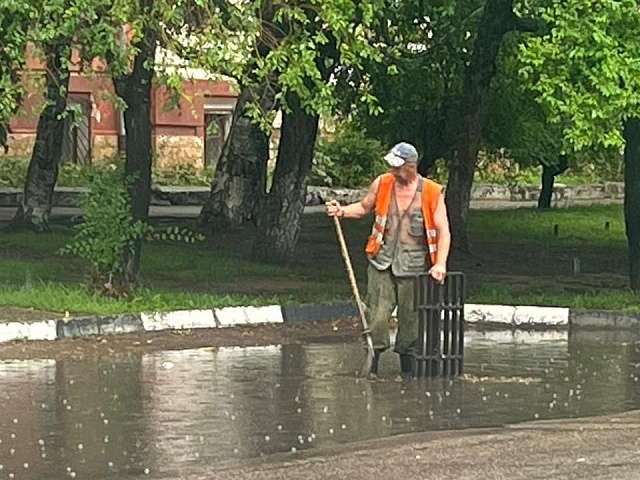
{"x":430,"y":196}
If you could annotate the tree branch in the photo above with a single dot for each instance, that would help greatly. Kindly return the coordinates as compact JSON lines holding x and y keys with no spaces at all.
{"x":531,"y":25}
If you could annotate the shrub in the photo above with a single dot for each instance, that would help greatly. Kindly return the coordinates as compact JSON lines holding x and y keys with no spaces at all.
{"x":13,"y":171}
{"x":349,"y":160}
{"x":108,"y":229}
{"x":182,"y":175}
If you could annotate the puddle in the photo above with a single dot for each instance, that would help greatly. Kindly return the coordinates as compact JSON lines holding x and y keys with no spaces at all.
{"x":177,"y":413}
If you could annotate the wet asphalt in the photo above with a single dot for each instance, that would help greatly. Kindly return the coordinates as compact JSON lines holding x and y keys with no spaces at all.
{"x":241,"y":412}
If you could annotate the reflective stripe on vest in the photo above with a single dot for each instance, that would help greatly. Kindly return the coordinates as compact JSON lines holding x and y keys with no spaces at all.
{"x":430,"y":196}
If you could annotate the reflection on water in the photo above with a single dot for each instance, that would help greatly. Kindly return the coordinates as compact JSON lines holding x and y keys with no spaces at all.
{"x":171,"y":413}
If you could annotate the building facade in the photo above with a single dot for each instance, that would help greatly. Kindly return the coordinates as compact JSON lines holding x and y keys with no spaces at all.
{"x":191,"y":132}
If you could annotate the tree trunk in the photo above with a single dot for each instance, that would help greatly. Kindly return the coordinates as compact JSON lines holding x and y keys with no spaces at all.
{"x":279,"y":228}
{"x":434,"y":141}
{"x":632,"y":198}
{"x":135,"y":89}
{"x":42,"y":174}
{"x":497,"y":19}
{"x":239,"y":185}
{"x":546,"y":192}
{"x":549,"y":174}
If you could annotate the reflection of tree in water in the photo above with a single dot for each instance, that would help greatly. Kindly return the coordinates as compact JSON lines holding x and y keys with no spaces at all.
{"x":294,"y":399}
{"x":268,"y":389}
{"x":99,"y":421}
{"x":26,"y":401}
{"x":228,"y":401}
{"x":632,"y":372}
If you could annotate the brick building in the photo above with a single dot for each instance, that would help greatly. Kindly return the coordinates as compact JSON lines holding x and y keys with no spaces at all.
{"x":180,"y":135}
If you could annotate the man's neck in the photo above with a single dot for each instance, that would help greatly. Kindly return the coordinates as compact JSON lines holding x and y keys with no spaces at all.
{"x":407,"y":183}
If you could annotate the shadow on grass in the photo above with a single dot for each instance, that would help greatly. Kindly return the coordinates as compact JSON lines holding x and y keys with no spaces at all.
{"x":516,"y":259}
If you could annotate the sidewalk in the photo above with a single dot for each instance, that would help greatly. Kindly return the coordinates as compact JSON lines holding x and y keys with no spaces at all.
{"x":192,"y":211}
{"x":597,"y":448}
{"x":64,"y":213}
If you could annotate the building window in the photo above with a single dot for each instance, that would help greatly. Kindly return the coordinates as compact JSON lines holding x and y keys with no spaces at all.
{"x":218,"y":115}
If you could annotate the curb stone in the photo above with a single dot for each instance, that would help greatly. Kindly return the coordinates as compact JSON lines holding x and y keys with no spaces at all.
{"x":505,"y":316}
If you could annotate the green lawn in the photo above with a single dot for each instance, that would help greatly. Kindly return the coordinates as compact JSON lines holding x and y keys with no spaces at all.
{"x":517,"y":259}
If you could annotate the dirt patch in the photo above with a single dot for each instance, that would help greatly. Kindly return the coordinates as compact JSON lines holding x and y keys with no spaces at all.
{"x":148,"y":342}
{"x":524,"y":267}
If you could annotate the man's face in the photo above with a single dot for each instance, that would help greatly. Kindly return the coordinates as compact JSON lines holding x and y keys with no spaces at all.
{"x":406,"y":173}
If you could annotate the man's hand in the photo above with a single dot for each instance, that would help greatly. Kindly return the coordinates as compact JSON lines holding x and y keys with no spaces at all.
{"x":438,"y":272}
{"x":334,"y":209}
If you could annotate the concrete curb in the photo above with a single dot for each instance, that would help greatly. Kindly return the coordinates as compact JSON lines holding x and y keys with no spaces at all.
{"x":503,"y":316}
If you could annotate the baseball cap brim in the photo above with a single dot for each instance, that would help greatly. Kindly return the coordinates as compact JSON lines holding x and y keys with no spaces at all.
{"x":394,"y":160}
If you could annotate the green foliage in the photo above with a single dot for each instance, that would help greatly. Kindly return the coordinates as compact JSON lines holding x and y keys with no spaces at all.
{"x":585,"y":167}
{"x":108,"y":229}
{"x":529,"y":132}
{"x":15,"y":17}
{"x":348,"y":160}
{"x":426,"y":47}
{"x":184,"y":174}
{"x":516,"y":123}
{"x":173,"y":234}
{"x":585,"y":70}
{"x":294,"y":46}
{"x":513,"y":175}
{"x":13,"y":171}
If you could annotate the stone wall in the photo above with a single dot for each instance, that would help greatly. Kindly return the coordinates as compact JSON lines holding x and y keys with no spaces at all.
{"x":169,"y":150}
{"x":21,"y":145}
{"x":562,"y":194}
{"x":178,"y":150}
{"x":105,"y":147}
{"x":172,"y":195}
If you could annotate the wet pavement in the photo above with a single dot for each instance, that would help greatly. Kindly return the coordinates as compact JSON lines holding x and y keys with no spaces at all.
{"x":184,"y":414}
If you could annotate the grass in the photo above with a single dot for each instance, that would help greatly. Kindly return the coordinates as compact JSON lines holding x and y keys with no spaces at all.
{"x":606,"y":299}
{"x":57,"y":297}
{"x":516,"y":259}
{"x":578,"y":227}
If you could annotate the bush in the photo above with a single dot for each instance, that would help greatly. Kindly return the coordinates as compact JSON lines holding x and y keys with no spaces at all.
{"x":505,"y":171}
{"x":349,"y":160}
{"x":108,"y":228}
{"x":183,"y":175}
{"x":13,"y":172}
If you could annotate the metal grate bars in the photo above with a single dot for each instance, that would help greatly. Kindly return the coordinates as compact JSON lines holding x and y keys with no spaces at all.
{"x":440,"y":346}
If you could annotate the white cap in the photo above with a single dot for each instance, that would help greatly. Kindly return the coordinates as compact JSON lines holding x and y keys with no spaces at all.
{"x":400,"y":154}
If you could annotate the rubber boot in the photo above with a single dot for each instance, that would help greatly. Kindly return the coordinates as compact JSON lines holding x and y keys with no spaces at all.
{"x":406,"y":366}
{"x":374,"y":365}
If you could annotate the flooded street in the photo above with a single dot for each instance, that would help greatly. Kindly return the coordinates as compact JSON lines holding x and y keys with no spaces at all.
{"x":173,"y":414}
